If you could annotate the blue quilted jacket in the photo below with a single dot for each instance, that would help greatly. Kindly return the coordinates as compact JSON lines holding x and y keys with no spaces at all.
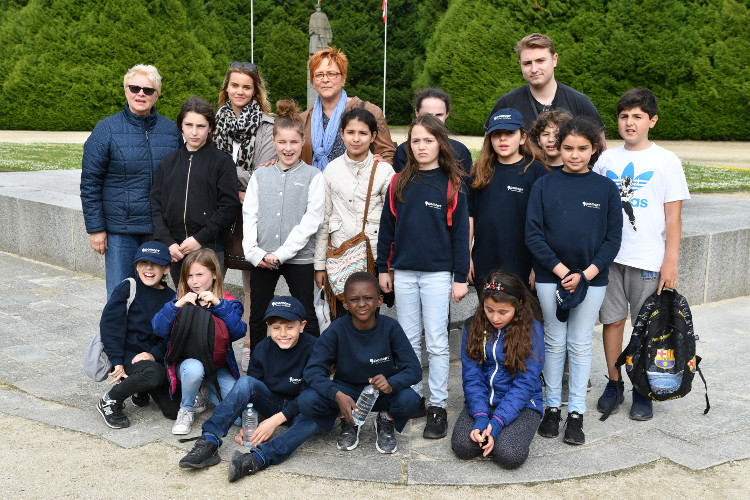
{"x":489,"y":386}
{"x":120,"y":158}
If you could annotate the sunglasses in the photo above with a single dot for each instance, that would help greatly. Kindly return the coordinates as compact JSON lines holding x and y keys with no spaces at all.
{"x":250,"y":66}
{"x":135,"y":89}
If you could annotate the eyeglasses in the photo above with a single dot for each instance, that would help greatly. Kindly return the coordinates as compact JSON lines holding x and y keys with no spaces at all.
{"x":250,"y":66}
{"x":332,"y":75}
{"x":137,"y":90}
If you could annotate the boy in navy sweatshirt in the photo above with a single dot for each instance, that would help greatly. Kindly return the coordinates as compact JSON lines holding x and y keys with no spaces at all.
{"x":136,"y":352}
{"x":367,"y":349}
{"x":273,"y":381}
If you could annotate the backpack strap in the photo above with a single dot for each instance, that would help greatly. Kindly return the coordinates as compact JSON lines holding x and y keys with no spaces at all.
{"x":131,"y":297}
{"x":391,"y":197}
{"x":451,"y":207}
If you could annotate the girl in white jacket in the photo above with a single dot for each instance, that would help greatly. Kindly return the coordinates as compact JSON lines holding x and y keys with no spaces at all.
{"x":346,"y":180}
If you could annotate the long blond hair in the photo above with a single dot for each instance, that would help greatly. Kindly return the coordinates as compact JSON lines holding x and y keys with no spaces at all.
{"x":207,"y":258}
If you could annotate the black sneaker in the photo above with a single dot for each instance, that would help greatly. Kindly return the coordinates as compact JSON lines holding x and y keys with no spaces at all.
{"x":437,"y":423}
{"x":348,"y":437}
{"x":386,"y":432}
{"x":112,"y":412}
{"x":574,"y":429}
{"x":612,"y":397}
{"x":203,"y":454}
{"x":550,"y":426}
{"x":422,"y":411}
{"x":140,"y":399}
{"x":643,"y":407}
{"x":242,"y":464}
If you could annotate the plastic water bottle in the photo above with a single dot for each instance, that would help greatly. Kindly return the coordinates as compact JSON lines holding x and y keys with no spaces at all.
{"x":249,"y":423}
{"x":365,"y":402}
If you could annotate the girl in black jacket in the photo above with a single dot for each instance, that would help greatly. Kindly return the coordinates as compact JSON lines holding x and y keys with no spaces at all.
{"x":194,"y":196}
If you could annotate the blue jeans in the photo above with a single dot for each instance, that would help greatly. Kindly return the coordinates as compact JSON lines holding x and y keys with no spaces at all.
{"x":251,"y":390}
{"x":426,"y":297}
{"x":573,"y":336}
{"x":190,"y":372}
{"x":118,"y":257}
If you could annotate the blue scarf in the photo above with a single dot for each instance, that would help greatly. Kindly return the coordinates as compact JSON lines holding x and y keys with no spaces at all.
{"x":322,"y":140}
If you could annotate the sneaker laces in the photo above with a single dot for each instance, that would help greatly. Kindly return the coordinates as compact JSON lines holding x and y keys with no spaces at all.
{"x":575,"y":423}
{"x":386,"y":426}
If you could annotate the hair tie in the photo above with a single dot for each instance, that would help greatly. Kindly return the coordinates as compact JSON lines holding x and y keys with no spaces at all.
{"x":502,"y":287}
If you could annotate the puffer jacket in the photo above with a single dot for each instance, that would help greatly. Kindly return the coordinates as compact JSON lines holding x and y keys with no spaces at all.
{"x":346,"y":184}
{"x":120,"y":159}
{"x":489,"y":385}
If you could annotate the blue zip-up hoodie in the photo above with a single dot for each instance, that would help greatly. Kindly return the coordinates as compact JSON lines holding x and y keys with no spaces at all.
{"x":120,"y":159}
{"x":489,"y":384}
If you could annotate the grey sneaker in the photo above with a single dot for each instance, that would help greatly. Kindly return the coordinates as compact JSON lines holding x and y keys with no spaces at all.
{"x":386,"y":432}
{"x":112,"y":412}
{"x":203,"y":454}
{"x":242,"y":464}
{"x":200,"y":404}
{"x":184,"y":422}
{"x":348,"y":437}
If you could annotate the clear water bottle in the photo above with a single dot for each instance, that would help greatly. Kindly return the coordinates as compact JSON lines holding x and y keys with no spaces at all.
{"x":365,"y":402}
{"x":249,"y":423}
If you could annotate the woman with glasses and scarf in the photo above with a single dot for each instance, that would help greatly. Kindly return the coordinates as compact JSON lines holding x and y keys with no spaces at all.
{"x":322,"y":123}
{"x":120,"y":159}
{"x":243,"y":130}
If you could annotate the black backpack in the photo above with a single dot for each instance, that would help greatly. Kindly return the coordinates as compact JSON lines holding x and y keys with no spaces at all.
{"x":192,"y":336}
{"x":660,"y":359}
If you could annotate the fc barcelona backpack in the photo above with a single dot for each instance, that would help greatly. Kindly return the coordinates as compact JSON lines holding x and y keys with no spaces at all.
{"x":660,"y":359}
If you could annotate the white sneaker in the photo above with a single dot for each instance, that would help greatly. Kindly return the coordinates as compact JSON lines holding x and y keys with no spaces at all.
{"x":199,"y":406}
{"x":183,"y":423}
{"x":245,"y":358}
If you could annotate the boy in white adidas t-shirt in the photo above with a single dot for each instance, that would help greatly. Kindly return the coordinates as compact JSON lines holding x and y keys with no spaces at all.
{"x":652,"y":187}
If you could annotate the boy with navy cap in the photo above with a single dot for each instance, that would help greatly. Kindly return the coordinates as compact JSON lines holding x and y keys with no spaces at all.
{"x":135,"y":351}
{"x":273,"y":381}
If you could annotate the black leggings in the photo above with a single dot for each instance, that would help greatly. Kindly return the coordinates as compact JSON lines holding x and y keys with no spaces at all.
{"x":301,"y":281}
{"x":150,"y":377}
{"x":511,"y":446}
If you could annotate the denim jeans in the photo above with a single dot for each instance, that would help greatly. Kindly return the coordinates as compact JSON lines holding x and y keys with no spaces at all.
{"x":118,"y":257}
{"x":425,"y":297}
{"x":267,"y":403}
{"x":573,"y":336}
{"x":190,"y":372}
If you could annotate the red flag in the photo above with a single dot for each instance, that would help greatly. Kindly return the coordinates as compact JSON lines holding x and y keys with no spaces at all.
{"x":385,"y":9}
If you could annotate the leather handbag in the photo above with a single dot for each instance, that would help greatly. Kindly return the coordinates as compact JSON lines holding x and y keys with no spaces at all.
{"x":234,"y":256}
{"x":353,"y":255}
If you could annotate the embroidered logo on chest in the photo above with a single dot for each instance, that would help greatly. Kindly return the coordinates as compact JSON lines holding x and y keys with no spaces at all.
{"x":378,"y":361}
{"x":295,"y":381}
{"x":515,"y":189}
{"x":429,"y":204}
{"x":589,"y":204}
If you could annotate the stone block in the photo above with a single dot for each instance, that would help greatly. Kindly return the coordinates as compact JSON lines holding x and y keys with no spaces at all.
{"x":692,"y":268}
{"x":679,"y":451}
{"x":47,"y":233}
{"x":9,"y":225}
{"x":727,"y":275}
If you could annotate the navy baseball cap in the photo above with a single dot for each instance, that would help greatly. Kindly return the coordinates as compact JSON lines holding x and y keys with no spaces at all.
{"x":155,"y":252}
{"x":566,"y":300}
{"x":505,"y":119}
{"x":285,"y":307}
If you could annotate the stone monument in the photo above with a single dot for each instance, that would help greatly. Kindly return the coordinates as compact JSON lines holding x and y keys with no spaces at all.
{"x":320,"y":38}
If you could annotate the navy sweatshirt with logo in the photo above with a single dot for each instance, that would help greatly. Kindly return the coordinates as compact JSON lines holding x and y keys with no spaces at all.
{"x":499,"y":212}
{"x":575,"y":219}
{"x":418,"y":238}
{"x":281,"y":369}
{"x":360,"y":355}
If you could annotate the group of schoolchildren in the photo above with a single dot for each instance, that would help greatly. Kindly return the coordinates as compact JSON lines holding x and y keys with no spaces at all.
{"x":536,"y":226}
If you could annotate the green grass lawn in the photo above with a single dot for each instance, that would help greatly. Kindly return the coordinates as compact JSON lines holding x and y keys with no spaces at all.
{"x":32,"y":157}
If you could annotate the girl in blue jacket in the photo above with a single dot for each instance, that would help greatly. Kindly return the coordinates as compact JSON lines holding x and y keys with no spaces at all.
{"x":201,"y":284}
{"x":502,"y":355}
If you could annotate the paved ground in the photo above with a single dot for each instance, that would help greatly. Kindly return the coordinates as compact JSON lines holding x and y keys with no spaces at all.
{"x":48,"y":315}
{"x":725,"y":154}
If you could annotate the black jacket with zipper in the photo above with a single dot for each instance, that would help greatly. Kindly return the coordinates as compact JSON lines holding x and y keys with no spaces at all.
{"x":194,"y":194}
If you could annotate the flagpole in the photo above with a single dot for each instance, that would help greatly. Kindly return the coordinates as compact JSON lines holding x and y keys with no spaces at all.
{"x":385,"y":48}
{"x":252,"y":33}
